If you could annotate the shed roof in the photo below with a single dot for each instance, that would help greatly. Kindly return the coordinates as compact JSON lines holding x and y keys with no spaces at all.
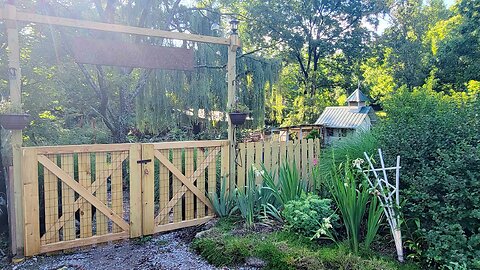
{"x":357,"y":96}
{"x":343,"y":116}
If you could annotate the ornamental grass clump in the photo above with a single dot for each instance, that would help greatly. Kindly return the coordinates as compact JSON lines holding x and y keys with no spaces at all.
{"x":286,"y":186}
{"x":349,"y":188}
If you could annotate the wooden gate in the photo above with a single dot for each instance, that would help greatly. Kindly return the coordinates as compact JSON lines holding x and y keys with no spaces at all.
{"x":74,"y":196}
{"x":84,"y":195}
{"x":184,"y":174}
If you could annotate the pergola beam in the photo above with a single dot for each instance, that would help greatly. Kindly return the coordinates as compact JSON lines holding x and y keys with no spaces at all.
{"x":108,"y":27}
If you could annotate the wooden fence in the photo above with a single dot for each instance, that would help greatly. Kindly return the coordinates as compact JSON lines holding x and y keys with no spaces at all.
{"x":302,"y":153}
{"x":89,"y":194}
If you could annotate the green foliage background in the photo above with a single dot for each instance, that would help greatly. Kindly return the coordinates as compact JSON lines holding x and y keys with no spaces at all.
{"x":437,"y":137}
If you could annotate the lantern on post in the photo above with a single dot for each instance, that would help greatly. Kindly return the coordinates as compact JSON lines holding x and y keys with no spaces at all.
{"x":234,"y":26}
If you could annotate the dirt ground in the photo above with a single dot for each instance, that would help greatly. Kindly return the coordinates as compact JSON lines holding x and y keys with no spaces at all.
{"x":163,"y":251}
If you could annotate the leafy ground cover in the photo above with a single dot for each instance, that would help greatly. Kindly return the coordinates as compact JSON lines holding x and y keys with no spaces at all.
{"x":229,"y":244}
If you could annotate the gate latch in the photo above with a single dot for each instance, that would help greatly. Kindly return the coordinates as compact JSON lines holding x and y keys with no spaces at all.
{"x":144,"y":161}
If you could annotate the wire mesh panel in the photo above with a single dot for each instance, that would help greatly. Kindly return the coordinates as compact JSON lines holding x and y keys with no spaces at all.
{"x":185,"y":174}
{"x":82,"y":196}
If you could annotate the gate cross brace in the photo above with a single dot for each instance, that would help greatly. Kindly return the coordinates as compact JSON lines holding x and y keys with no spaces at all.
{"x":80,"y":201}
{"x":83,"y":192}
{"x":187,"y":182}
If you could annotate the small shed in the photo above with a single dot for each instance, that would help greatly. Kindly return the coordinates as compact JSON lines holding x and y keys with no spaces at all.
{"x":341,"y":121}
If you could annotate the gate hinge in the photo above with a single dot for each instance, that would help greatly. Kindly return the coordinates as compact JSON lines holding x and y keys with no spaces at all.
{"x":144,"y":161}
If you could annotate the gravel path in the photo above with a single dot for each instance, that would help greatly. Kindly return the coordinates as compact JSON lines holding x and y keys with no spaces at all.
{"x":166,"y":251}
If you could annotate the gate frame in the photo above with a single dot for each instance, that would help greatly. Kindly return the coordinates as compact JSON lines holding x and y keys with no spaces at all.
{"x":11,"y":16}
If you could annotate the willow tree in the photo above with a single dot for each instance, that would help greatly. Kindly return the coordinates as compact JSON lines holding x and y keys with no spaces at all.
{"x":169,"y":94}
{"x":119,"y":95}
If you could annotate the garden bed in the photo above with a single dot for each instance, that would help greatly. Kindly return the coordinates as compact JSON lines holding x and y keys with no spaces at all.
{"x":229,"y":245}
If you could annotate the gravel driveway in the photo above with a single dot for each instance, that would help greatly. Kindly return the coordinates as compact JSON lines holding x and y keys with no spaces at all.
{"x":165,"y":251}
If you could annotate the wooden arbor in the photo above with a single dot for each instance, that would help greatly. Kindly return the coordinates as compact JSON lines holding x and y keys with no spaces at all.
{"x":11,"y":16}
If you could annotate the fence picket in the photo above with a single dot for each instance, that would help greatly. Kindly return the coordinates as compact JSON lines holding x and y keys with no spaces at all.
{"x":212,"y":179}
{"x":164,"y":187}
{"x":85,"y":179}
{"x":68,"y":198}
{"x":177,"y":184}
{"x":241,"y":165}
{"x":117,"y":187}
{"x":101,"y":185}
{"x":304,"y":161}
{"x":50,"y":186}
{"x":200,"y":183}
{"x":189,"y":205}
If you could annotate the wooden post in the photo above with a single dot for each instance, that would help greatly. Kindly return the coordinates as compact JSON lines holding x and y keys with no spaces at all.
{"x":16,"y":141}
{"x":232,"y":87}
{"x":148,"y":189}
{"x":11,"y":211}
{"x":135,"y":191}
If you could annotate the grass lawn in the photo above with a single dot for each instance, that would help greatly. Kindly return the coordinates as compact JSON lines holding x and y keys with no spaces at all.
{"x":227,"y":244}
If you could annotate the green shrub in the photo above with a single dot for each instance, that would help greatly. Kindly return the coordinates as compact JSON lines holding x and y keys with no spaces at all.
{"x":437,"y":137}
{"x":306,"y":215}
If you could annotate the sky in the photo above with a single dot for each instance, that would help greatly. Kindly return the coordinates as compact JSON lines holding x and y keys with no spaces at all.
{"x":381,"y":27}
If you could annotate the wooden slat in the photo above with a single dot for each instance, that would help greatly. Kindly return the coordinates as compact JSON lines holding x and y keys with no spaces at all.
{"x":189,"y":144}
{"x":101,"y":185}
{"x":258,"y":160}
{"x":87,"y":148}
{"x":182,"y":224}
{"x":82,"y":191}
{"x":50,"y":192}
{"x":164,"y":186}
{"x":189,"y":205}
{"x":241,"y":160}
{"x":148,"y":189}
{"x":30,"y":187}
{"x":84,"y":175}
{"x":283,"y":152}
{"x":304,"y":161}
{"x":290,"y":150}
{"x":117,"y":187}
{"x":212,"y":179}
{"x":200,"y":183}
{"x":135,"y":154}
{"x":83,"y":24}
{"x":250,"y":158}
{"x":84,"y":242}
{"x":296,"y":153}
{"x":177,"y":184}
{"x":275,"y":153}
{"x":310,"y":155}
{"x":68,"y":199}
{"x":267,"y":155}
{"x":225,"y":171}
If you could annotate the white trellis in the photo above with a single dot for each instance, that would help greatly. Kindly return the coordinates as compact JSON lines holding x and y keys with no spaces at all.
{"x":389,"y":197}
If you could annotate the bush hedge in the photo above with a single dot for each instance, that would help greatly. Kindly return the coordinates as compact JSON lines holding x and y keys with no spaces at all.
{"x":438,"y":139}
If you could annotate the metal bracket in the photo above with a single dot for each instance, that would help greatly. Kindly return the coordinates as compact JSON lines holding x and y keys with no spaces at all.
{"x":144,"y":161}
